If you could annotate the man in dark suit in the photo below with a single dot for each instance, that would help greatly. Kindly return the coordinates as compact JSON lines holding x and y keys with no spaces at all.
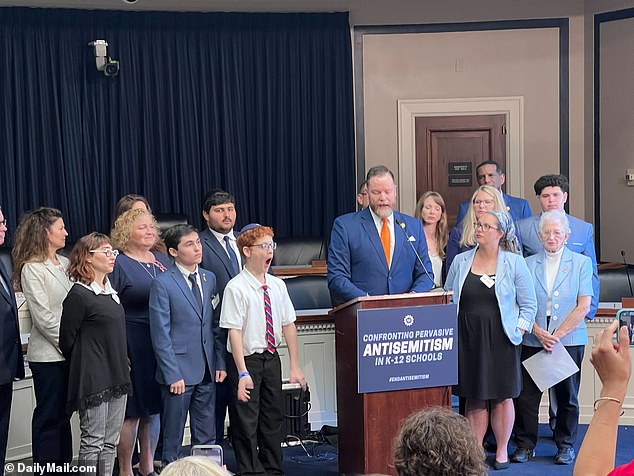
{"x":11,"y":361}
{"x":490,"y":173}
{"x":374,"y":251}
{"x":189,"y":354}
{"x":222,"y":257}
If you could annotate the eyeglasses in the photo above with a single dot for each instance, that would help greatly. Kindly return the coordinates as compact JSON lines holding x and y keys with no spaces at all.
{"x":485,"y":226}
{"x":265,"y":246}
{"x":487,"y":202}
{"x":108,"y":252}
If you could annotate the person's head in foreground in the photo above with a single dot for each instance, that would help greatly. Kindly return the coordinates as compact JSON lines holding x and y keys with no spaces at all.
{"x":194,"y":466}
{"x":437,"y":442}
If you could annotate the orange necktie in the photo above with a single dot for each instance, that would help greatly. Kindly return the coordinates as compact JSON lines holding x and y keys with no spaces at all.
{"x":385,"y":240}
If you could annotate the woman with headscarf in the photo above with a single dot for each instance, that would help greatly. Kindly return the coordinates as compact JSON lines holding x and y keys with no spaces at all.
{"x":496,"y":305}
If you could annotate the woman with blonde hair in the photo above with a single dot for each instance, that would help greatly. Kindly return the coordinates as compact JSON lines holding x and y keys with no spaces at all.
{"x":462,"y":237}
{"x":40,"y":272}
{"x":432,"y":211}
{"x":135,"y":234}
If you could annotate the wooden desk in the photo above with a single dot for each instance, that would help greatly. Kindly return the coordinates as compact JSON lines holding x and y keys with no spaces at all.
{"x":316,"y":268}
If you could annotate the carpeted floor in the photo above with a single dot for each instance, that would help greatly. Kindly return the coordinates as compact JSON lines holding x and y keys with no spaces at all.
{"x":322,"y":458}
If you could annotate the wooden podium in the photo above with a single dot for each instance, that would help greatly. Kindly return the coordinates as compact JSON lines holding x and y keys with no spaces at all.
{"x":369,"y":422}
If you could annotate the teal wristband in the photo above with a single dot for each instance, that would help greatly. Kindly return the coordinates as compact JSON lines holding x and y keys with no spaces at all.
{"x":243,"y":374}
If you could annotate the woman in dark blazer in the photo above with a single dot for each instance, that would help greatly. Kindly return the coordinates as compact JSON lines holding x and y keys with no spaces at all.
{"x":432,"y":212}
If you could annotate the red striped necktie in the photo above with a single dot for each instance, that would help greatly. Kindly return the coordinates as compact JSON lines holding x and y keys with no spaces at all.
{"x":270,"y":333}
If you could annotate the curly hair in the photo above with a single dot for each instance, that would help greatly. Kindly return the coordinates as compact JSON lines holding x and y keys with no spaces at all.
{"x":442,"y":230}
{"x":544,"y":181}
{"x":120,"y":234}
{"x":31,"y":239}
{"x":468,"y":222}
{"x":437,"y":442}
{"x":253,"y":234}
{"x":80,"y":270}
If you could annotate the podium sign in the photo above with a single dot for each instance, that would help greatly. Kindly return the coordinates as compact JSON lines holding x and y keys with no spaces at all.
{"x":404,"y":348}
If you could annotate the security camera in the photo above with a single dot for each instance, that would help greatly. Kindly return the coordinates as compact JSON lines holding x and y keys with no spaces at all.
{"x":103,"y":62}
{"x":111,"y":68}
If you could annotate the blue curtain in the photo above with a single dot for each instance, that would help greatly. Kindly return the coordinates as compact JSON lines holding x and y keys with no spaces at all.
{"x":258,"y":104}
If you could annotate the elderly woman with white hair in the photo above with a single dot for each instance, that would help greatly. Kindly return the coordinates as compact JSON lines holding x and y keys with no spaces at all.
{"x":563,"y":285}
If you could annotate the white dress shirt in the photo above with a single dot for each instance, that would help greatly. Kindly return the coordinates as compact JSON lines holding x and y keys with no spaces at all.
{"x":243,"y":309}
{"x":232,"y":240}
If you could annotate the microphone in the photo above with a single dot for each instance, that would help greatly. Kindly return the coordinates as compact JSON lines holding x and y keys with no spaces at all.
{"x":407,"y":236}
{"x":627,"y":272}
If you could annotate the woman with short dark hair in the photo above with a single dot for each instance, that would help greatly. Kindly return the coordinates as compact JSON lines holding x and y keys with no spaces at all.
{"x":92,"y":338}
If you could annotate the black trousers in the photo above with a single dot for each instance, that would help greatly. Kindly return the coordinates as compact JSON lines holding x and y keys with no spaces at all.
{"x":257,"y":424}
{"x":566,"y":393}
{"x":223,"y":400}
{"x":51,"y":435}
{"x":6,"y":395}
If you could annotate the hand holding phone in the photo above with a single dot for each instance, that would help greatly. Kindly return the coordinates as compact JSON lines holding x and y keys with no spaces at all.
{"x":625,"y":319}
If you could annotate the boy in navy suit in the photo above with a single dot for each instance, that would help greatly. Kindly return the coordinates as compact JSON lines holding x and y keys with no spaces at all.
{"x":188,"y":348}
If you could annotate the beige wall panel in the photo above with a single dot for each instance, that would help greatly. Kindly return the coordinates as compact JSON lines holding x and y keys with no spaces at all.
{"x":617,"y":138}
{"x":462,"y":65}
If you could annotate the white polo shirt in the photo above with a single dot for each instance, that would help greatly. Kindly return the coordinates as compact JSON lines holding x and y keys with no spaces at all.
{"x":243,"y":308}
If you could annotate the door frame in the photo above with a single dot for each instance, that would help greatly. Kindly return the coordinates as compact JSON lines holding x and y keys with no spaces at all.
{"x":409,"y":109}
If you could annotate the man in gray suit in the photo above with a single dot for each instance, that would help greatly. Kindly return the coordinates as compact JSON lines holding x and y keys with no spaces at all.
{"x":189,"y":353}
{"x":222,"y":257}
{"x":11,"y":361}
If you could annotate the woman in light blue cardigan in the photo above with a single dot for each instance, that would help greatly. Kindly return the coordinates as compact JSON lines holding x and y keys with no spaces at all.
{"x":496,"y":305}
{"x":563,"y":284}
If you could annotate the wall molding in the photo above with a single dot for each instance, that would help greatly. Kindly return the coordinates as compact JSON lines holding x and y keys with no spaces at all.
{"x":409,"y":109}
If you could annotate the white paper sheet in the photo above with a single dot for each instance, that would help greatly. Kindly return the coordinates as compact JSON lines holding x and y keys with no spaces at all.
{"x":549,"y":368}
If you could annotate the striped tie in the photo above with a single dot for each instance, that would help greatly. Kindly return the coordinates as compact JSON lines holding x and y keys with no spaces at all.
{"x":270,"y":333}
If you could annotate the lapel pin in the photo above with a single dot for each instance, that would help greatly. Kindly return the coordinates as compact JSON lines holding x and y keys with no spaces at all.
{"x":204,"y":277}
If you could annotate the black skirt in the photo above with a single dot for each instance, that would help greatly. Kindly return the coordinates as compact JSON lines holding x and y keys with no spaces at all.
{"x":488,"y":362}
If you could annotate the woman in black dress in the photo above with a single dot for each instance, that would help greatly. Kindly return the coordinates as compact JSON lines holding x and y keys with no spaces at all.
{"x":496,"y":305}
{"x":135,"y":235}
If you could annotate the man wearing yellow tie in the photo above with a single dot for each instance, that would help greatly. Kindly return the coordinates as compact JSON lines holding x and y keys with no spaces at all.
{"x":377,"y":250}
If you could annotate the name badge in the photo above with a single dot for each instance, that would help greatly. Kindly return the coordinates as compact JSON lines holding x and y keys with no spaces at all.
{"x":487,"y":280}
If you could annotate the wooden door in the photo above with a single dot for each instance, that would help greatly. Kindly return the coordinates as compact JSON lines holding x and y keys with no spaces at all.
{"x":449,"y":148}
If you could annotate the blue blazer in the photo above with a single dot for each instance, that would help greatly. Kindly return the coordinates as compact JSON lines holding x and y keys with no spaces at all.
{"x":11,"y":360}
{"x":183,"y":338}
{"x":514,"y":289}
{"x":518,"y":208}
{"x":574,"y":278}
{"x":357,"y":264}
{"x":579,"y":241}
